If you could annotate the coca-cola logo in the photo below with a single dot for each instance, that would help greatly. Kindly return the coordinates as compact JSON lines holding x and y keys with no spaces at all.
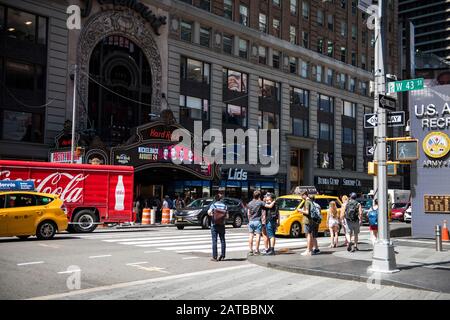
{"x":55,"y":183}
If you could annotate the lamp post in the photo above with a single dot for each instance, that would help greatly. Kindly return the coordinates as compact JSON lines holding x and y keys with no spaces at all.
{"x":72,"y":147}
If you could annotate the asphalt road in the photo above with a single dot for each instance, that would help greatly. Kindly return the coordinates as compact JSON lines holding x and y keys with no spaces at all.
{"x":161,"y":263}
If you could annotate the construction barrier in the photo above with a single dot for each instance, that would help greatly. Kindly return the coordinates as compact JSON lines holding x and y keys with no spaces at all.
{"x":146,"y":216}
{"x":445,"y":236}
{"x":153,"y":216}
{"x":165,"y":216}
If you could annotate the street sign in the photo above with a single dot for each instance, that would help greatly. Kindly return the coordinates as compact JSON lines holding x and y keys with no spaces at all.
{"x":394,"y":119}
{"x":370,"y":150}
{"x":405,"y":85}
{"x":386,"y":102}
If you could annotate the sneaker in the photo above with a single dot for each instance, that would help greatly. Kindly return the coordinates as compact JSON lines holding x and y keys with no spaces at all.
{"x":256,"y":253}
{"x":221,"y":258}
{"x":306,"y":253}
{"x":353,"y":249}
{"x":250,"y":253}
{"x":271,"y":252}
{"x":316,"y":251}
{"x":349,"y":246}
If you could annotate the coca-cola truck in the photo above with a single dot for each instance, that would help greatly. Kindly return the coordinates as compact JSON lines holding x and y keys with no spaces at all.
{"x":93,"y":194}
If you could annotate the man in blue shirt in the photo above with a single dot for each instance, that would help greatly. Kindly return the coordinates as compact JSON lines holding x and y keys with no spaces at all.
{"x":218,"y":213}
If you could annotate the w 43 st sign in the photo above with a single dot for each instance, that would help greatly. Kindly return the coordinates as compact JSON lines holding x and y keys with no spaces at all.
{"x":394,"y":119}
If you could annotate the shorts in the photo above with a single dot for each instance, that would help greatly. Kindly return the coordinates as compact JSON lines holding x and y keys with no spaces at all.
{"x":271,"y":229}
{"x":352,"y":227}
{"x":312,"y":228}
{"x":373,"y":228}
{"x":255,"y":226}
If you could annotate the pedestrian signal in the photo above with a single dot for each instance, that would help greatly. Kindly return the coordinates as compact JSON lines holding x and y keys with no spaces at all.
{"x":406,"y":150}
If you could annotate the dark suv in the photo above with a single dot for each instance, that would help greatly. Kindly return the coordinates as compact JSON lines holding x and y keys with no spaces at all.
{"x":196,"y":213}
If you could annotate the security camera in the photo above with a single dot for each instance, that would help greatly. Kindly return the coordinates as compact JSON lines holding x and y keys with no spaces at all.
{"x":391,"y":76}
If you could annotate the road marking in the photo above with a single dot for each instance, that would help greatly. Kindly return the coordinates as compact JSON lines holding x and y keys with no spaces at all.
{"x":156,"y":251}
{"x":189,"y":258}
{"x":140,"y":282}
{"x":69,"y":271}
{"x":28,"y":263}
{"x":136,"y":263}
{"x":49,"y":246}
{"x":102,"y":256}
{"x":170,"y":237}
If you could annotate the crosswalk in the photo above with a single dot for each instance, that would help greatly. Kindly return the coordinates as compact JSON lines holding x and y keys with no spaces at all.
{"x":195,"y":241}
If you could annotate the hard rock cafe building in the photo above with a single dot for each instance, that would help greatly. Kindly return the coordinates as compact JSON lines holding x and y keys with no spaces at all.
{"x":148,"y":67}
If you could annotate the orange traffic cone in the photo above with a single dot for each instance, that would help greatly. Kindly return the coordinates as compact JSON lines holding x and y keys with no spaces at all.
{"x":445,"y":232}
{"x":146,"y":216}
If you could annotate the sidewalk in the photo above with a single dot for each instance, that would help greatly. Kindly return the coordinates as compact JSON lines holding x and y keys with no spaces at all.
{"x":421,"y":267}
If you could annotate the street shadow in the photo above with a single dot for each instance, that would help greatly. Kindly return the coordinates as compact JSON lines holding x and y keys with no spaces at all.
{"x":17,"y":240}
{"x":421,"y":265}
{"x":235,"y":259}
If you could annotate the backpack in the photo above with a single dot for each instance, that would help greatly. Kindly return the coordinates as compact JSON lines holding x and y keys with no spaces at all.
{"x":219,"y":216}
{"x":351,"y":211}
{"x":373,"y":217}
{"x":315,"y":214}
{"x":272,"y":213}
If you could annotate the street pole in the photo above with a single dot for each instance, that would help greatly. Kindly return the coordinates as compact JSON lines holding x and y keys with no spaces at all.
{"x":383,"y":252}
{"x":72,"y":147}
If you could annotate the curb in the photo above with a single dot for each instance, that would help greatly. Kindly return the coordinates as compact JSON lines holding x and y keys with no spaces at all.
{"x":404,"y":231}
{"x":138,"y":226}
{"x":338,"y":275}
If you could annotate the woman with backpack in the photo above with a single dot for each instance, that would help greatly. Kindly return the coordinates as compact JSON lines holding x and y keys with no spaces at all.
{"x":373,"y":221}
{"x":333,"y":224}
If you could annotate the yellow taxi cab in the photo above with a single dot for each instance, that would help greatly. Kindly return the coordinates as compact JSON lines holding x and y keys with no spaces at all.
{"x":291,"y":219}
{"x":27,"y":213}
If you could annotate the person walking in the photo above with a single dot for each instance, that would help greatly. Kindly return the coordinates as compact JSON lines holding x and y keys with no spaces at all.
{"x":353,"y":218}
{"x":308,"y":224}
{"x":373,"y":221}
{"x":272,"y":222}
{"x":179,"y":203}
{"x":187,"y":198}
{"x":254,"y":214}
{"x":166,"y":202}
{"x":218,"y":212}
{"x":263,"y":227}
{"x":342,"y":217}
{"x":333,"y":224}
{"x":316,"y":219}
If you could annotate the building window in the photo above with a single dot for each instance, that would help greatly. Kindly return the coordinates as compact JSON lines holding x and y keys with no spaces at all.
{"x":276,"y":27}
{"x":349,"y":109}
{"x":354,"y":10}
{"x":325,"y":160}
{"x":186,"y":31}
{"x":243,"y":15}
{"x":364,"y":37}
{"x":342,"y":80}
{"x":304,"y":69}
{"x":320,"y":17}
{"x":330,"y":76}
{"x":205,"y":36}
{"x":276,"y":3}
{"x":343,"y":4}
{"x":267,"y":120}
{"x":262,"y":56}
{"x":300,"y":127}
{"x":344,"y":28}
{"x":227,"y":43}
{"x":262,"y":22}
{"x":299,"y":97}
{"x":228,"y":9}
{"x":205,"y":5}
{"x":319,"y":73}
{"x":293,"y":4}
{"x":363,"y":88}
{"x":372,"y":40}
{"x":25,"y":26}
{"x":363,"y":61}
{"x":269,"y":89}
{"x":343,"y":54}
{"x":305,"y":39}
{"x":330,"y":46}
{"x":194,"y":70}
{"x":22,"y":126}
{"x":326,"y":131}
{"x":194,"y":108}
{"x":353,"y":58}
{"x":243,"y":48}
{"x":276,"y":59}
{"x":326,"y":103}
{"x":354,"y":32}
{"x":349,"y":162}
{"x":292,"y":35}
{"x":330,"y":22}
{"x":235,"y":80}
{"x":236,"y":115}
{"x":352,"y":87}
{"x":293,"y":65}
{"x":305,"y":10}
{"x":320,"y":45}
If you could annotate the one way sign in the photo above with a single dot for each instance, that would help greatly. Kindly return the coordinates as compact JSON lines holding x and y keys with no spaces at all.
{"x":370,"y":150}
{"x":395,"y":119}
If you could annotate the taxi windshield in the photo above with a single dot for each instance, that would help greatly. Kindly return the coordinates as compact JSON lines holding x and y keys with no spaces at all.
{"x":287,"y":204}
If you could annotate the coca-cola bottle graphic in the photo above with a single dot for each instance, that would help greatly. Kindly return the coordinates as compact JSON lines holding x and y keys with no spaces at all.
{"x":120,"y":194}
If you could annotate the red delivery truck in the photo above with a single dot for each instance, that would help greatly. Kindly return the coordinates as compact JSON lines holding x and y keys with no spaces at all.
{"x":93,"y":194}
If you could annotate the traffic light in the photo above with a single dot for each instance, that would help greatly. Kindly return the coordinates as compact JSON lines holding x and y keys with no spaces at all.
{"x":406,"y":149}
{"x":391,"y":168}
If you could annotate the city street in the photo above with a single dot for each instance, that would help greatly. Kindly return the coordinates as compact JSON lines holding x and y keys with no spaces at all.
{"x":166,"y":263}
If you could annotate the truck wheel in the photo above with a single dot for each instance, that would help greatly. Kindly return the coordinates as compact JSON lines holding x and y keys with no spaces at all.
{"x":46,"y":230}
{"x":296,"y":230}
{"x":205,"y":222}
{"x":237,"y":222}
{"x":85,"y":220}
